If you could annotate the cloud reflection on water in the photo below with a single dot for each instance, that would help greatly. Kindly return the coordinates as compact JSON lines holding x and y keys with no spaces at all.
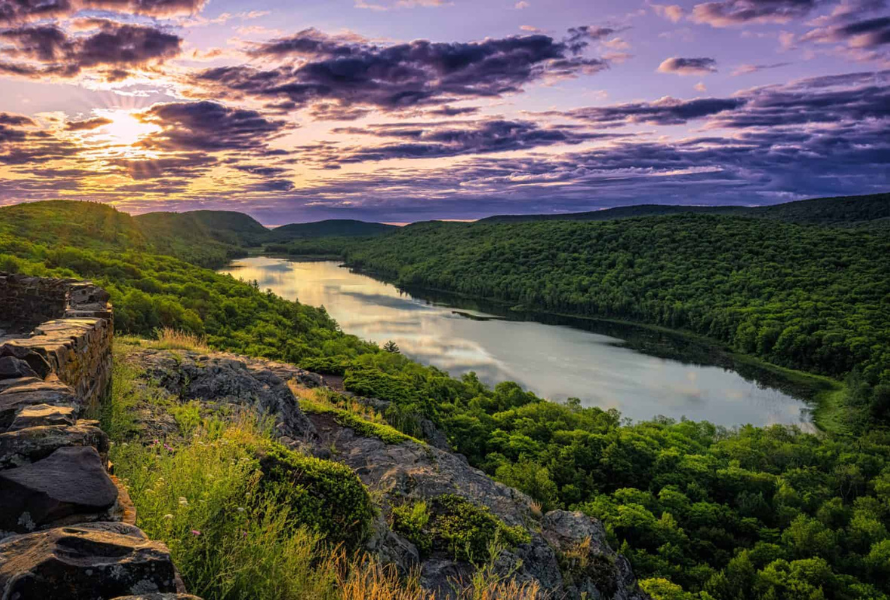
{"x":556,"y":362}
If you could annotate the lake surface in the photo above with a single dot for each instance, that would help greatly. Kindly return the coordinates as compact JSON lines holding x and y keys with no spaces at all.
{"x":639,"y":371}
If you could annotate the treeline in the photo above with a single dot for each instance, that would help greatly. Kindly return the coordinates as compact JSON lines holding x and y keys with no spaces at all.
{"x":809,"y":298}
{"x":703,"y":512}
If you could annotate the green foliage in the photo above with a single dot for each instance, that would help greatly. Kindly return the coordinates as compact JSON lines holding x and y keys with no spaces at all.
{"x":362,"y":426}
{"x":456,"y":526}
{"x":324,"y":495}
{"x":411,"y":520}
{"x":809,"y":298}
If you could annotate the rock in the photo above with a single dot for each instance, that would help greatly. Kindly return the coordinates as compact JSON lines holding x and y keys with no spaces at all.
{"x":30,"y":445}
{"x":70,"y":484}
{"x":14,"y":368}
{"x":88,"y":561}
{"x":38,"y":364}
{"x":605,"y":574}
{"x":223,"y":379}
{"x":43,"y":414}
{"x":159,"y":597}
{"x":18,"y":393}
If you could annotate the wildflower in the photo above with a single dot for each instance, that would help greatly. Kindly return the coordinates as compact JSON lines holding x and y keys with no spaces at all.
{"x":241,"y":509}
{"x":195,"y":532}
{"x":168,"y":448}
{"x":168,"y":517}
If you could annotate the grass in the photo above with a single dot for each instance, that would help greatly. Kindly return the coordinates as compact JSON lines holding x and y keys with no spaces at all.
{"x":358,"y":417}
{"x":235,"y":527}
{"x":171,"y":339}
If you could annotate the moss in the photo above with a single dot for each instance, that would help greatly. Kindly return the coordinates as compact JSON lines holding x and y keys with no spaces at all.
{"x":411,"y":520}
{"x":323,"y":495}
{"x":581,"y":562}
{"x":456,"y":526}
{"x":386,"y":433}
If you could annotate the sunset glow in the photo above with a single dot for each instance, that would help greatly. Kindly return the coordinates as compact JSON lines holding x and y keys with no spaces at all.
{"x":404,"y":111}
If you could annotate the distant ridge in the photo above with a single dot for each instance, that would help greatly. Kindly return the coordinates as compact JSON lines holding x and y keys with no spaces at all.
{"x":329,"y":228}
{"x":872,"y":209}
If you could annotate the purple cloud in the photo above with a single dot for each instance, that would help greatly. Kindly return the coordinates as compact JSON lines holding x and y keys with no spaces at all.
{"x":688,"y":66}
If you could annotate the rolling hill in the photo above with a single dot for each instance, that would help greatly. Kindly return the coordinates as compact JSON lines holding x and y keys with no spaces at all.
{"x":872,"y":210}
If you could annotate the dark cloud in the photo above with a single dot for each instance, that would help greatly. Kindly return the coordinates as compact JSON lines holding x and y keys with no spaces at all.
{"x":49,"y":51}
{"x":688,"y":66}
{"x":738,"y":12}
{"x":853,"y":97}
{"x":88,"y":124}
{"x":348,"y":74}
{"x":24,"y":11}
{"x":667,"y":111}
{"x":438,"y":140}
{"x":208,"y":127}
{"x":452,"y":111}
{"x":14,"y":128}
{"x":182,"y":165}
{"x":868,"y":33}
{"x":260,"y":170}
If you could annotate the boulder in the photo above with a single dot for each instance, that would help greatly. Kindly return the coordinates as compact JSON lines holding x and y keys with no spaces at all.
{"x":43,"y":414}
{"x":15,"y":368}
{"x":25,"y":446}
{"x":87,"y":561}
{"x":37,"y":362}
{"x":226,"y":380}
{"x":18,"y":393}
{"x":69,"y":485}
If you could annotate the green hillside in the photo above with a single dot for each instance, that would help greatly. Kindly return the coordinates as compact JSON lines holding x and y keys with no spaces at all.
{"x":841,"y":211}
{"x":330,"y":228}
{"x":809,"y":298}
{"x":702,"y":512}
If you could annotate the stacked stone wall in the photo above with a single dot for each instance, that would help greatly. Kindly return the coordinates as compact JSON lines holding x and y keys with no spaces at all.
{"x":67,"y":526}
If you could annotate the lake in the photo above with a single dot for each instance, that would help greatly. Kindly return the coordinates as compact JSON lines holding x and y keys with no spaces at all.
{"x":640,"y":371}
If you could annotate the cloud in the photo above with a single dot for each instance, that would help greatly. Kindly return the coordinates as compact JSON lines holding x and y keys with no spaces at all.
{"x":672,"y":12}
{"x":688,"y":66}
{"x":207,"y":127}
{"x":397,"y":4}
{"x":854,"y":97}
{"x":109,"y":46}
{"x":749,"y":69}
{"x":88,"y":124}
{"x":666,"y":111}
{"x":444,"y":139}
{"x":349,"y":73}
{"x":739,"y":12}
{"x":186,"y":165}
{"x":23,"y":11}
{"x":521,"y":5}
{"x":868,"y":33}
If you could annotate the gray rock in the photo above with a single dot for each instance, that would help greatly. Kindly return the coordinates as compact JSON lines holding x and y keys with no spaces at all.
{"x":38,"y":363}
{"x":25,"y":446}
{"x":70,"y":484}
{"x":159,"y":597}
{"x":18,"y":393}
{"x":43,"y":414}
{"x":84,"y":562}
{"x":14,"y":368}
{"x":223,"y":379}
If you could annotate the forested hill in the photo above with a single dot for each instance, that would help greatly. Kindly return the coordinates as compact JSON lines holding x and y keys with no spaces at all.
{"x":811,"y":298}
{"x":333,"y":227}
{"x":703,"y":513}
{"x":872,"y":210}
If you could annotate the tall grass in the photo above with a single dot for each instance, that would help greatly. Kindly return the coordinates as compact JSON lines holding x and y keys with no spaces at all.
{"x":232,"y":538}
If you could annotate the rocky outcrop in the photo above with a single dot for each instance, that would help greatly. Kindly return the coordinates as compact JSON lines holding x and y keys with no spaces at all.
{"x":67,"y":530}
{"x":567,"y":553}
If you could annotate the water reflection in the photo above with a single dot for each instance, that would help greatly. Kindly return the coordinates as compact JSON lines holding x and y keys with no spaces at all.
{"x":641,"y":373}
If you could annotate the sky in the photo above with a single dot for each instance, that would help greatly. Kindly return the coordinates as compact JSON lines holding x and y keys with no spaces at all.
{"x":409,"y":110}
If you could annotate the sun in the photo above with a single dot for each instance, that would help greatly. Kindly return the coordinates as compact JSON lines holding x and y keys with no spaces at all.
{"x":125,"y":129}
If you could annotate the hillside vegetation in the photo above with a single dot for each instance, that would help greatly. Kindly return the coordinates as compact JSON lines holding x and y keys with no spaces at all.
{"x":810,"y":298}
{"x":703,"y":512}
{"x":872,"y":210}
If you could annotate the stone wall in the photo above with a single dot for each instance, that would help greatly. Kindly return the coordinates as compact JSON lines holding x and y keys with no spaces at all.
{"x":67,"y":527}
